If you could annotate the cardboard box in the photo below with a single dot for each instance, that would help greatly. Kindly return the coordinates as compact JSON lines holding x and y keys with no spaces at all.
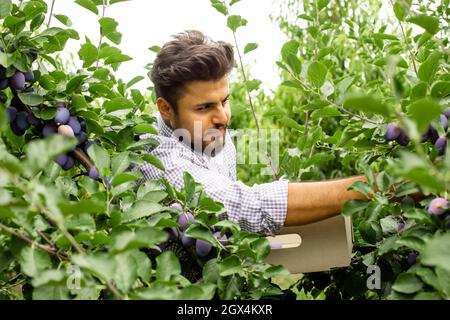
{"x":319,"y":246}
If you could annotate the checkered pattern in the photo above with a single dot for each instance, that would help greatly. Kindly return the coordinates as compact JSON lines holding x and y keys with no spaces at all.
{"x":261,"y":208}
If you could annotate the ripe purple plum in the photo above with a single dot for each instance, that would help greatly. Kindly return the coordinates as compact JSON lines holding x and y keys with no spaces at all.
{"x":412,"y":258}
{"x":441,"y":144}
{"x":74,"y":124}
{"x":176,"y":206}
{"x":65,"y":130}
{"x":21,"y":120}
{"x":222,"y":239}
{"x":17,"y":81}
{"x":392,"y":132}
{"x":81,"y":137}
{"x":49,"y":128}
{"x":402,"y":138}
{"x":69,"y":163}
{"x":400,"y":226}
{"x":61,"y":160}
{"x":202,"y":248}
{"x":12,"y":113}
{"x":3,"y":84}
{"x":185,"y":220}
{"x":187,"y":241}
{"x":447,"y":112}
{"x":33,"y":120}
{"x":444,"y":121}
{"x":17,"y":131}
{"x":438,"y":206}
{"x":62,"y":116}
{"x":29,"y":76}
{"x":93,"y":173}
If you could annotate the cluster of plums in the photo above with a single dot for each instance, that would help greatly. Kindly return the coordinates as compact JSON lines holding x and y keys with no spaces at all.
{"x":185,"y":219}
{"x":21,"y":118}
{"x":394,"y":132}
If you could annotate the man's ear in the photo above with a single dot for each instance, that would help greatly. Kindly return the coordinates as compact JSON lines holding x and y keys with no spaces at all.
{"x":164,"y":109}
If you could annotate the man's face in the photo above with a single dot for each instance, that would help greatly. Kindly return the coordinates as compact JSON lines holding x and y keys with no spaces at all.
{"x":204,"y":112}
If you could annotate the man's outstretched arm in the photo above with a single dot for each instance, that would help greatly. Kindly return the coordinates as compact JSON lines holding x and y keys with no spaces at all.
{"x":314,"y":201}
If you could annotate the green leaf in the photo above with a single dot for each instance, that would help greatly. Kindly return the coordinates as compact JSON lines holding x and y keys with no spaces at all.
{"x":99,"y":156}
{"x":135,"y":80}
{"x":141,"y":209}
{"x":437,"y":252}
{"x":153,"y":160}
{"x":64,"y":19}
{"x":125,"y":177}
{"x":416,"y":168}
{"x":142,"y":238}
{"x":250,"y":47}
{"x":126,"y":271}
{"x":108,"y":29}
{"x":322,"y":4}
{"x":423,"y":112}
{"x":230,"y":265}
{"x":220,"y":6}
{"x":290,"y":47}
{"x":400,"y":11}
{"x":366,"y":103}
{"x":88,"y":4}
{"x":145,"y":128}
{"x":31,"y":99}
{"x":428,"y":68}
{"x":5,"y":8}
{"x":407,"y":283}
{"x":40,"y":152}
{"x":88,"y":53}
{"x":440,"y":89}
{"x":235,"y":21}
{"x":317,"y":73}
{"x":47,"y":276}
{"x":99,"y":264}
{"x":431,"y":24}
{"x":197,"y":231}
{"x":33,"y":261}
{"x":291,"y":123}
{"x":167,"y":265}
{"x":252,"y":85}
{"x":118,"y":103}
{"x":353,"y":206}
{"x":120,"y":162}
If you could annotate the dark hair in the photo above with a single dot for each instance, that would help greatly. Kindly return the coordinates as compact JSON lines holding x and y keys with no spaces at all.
{"x":189,"y":57}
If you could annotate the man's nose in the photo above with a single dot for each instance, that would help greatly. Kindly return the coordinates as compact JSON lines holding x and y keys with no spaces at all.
{"x":220,"y":117}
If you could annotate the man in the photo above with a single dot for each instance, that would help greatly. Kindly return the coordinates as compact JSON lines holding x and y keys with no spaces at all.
{"x":190,"y":76}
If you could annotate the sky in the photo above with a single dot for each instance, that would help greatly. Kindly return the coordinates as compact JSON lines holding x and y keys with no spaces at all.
{"x":144,"y":23}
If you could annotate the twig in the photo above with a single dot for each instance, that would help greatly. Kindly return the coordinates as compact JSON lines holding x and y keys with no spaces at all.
{"x":24,"y":237}
{"x":51,"y":13}
{"x":101,"y":34}
{"x":275,"y":174}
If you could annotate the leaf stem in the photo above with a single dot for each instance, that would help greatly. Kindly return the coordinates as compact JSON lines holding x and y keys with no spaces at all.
{"x":51,"y":13}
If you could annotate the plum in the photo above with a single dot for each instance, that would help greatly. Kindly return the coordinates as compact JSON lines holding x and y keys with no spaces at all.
{"x":438,"y":206}
{"x":444,"y":121}
{"x":29,"y":76}
{"x":187,"y":241}
{"x":12,"y":113}
{"x":62,"y":116}
{"x":176,"y":206}
{"x":93,"y":173}
{"x":447,"y":112}
{"x":202,"y":248}
{"x":69,"y":163}
{"x":402,"y":138}
{"x":49,"y":128}
{"x":412,"y":258}
{"x":74,"y":124}
{"x":392,"y":132}
{"x":441,"y":144}
{"x":173,"y":233}
{"x":65,"y":130}
{"x":17,"y":81}
{"x":3,"y":84}
{"x":17,"y":131}
{"x":21,"y":120}
{"x":82,"y":137}
{"x":60,"y":104}
{"x":61,"y":160}
{"x":185,"y":220}
{"x":400,"y":226}
{"x":33,"y":120}
{"x":222,"y":239}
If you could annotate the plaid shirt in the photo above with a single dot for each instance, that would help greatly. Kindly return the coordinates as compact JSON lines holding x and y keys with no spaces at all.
{"x":261,"y":208}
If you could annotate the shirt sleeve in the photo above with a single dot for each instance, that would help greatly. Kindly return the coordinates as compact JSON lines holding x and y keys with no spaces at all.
{"x":261,"y":208}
